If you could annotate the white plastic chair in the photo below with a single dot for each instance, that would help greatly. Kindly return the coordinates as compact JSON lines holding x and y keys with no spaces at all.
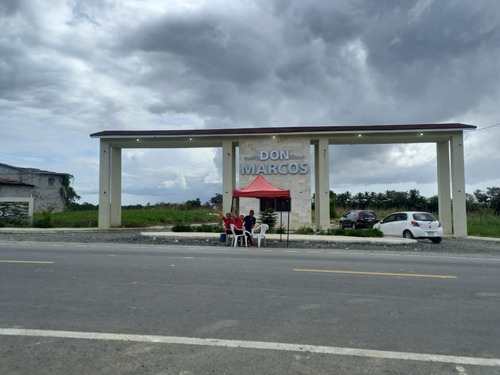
{"x":248,"y":235}
{"x":236,"y":236}
{"x":262,"y":234}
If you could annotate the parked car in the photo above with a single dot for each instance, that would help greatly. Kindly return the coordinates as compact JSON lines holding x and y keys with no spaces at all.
{"x":358,"y":219}
{"x":411,"y":224}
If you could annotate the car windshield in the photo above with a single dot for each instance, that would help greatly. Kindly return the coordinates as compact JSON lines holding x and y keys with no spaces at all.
{"x":368,"y":213}
{"x":424,"y":216}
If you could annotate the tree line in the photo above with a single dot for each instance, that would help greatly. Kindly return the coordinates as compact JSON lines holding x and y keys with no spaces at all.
{"x":187,"y":205}
{"x":484,"y":199}
{"x":411,"y":200}
{"x":391,"y":199}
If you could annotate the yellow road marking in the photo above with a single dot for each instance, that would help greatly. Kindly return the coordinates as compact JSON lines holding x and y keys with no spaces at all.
{"x":26,"y":261}
{"x":376,"y":273}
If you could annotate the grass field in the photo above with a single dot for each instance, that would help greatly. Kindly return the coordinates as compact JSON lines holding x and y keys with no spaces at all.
{"x":137,"y":218}
{"x":487,"y":225}
{"x":483,"y":226}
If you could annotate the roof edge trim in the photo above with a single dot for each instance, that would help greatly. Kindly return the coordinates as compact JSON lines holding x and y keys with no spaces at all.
{"x":280,"y":130}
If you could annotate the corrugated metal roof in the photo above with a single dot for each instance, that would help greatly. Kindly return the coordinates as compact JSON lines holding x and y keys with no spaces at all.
{"x":5,"y":181}
{"x":282,"y":130}
{"x":32,"y":170}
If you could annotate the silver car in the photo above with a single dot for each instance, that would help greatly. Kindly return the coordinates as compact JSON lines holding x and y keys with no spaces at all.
{"x":411,"y":224}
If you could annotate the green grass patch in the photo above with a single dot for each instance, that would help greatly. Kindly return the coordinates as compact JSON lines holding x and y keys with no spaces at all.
{"x":487,"y":226}
{"x":157,"y":217}
{"x":137,"y":218}
{"x":68,"y":219}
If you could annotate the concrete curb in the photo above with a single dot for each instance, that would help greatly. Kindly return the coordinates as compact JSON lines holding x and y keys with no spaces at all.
{"x":161,"y":232}
{"x":293,"y":237}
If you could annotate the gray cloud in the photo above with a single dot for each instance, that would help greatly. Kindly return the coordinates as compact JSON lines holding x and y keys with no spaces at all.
{"x":68,"y":69}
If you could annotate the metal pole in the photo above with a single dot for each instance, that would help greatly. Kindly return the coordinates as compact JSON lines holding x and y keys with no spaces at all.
{"x":281,"y":223}
{"x":288,"y":230}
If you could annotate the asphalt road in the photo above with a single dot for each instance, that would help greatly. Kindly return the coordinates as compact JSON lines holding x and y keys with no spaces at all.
{"x":134,"y":309}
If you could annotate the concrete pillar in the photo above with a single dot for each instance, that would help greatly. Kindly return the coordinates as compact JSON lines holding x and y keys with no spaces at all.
{"x":458,"y":185}
{"x":444,"y":193}
{"x":228,"y":174}
{"x":116,"y":187}
{"x":322,"y":185}
{"x":31,"y":204}
{"x":104,"y":185}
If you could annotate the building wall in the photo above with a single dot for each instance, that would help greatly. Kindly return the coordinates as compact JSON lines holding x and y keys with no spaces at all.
{"x":47,"y":190}
{"x":19,"y":191}
{"x":286,"y":163}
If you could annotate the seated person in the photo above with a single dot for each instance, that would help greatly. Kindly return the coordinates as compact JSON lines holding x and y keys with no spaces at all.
{"x":227,"y":221}
{"x":238,"y":223}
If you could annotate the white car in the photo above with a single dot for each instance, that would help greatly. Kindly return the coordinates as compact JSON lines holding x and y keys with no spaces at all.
{"x":411,"y":224}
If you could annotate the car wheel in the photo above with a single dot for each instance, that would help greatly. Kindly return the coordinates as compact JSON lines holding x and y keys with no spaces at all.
{"x":436,"y":240}
{"x":408,"y":234}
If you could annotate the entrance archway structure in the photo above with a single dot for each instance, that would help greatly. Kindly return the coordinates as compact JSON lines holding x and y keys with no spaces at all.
{"x":282,"y":154}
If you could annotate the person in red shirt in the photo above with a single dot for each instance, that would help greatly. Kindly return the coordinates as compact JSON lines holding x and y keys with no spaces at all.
{"x":228,"y":219}
{"x":238,"y":223}
{"x":232,"y":218}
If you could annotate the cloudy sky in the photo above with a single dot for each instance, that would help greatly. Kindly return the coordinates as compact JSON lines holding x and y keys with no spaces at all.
{"x":70,"y":68}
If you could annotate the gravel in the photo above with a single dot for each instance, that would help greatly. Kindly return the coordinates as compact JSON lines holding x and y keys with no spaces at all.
{"x":468,"y":246}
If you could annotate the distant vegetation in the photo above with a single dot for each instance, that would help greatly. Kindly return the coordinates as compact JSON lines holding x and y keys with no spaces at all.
{"x":483,"y":207}
{"x":479,"y":202}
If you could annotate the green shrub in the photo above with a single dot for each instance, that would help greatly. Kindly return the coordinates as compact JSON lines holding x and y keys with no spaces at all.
{"x":204,"y":228}
{"x":304,"y":230}
{"x":42,"y":223}
{"x":336,"y":232}
{"x":182,"y":228}
{"x":333,"y":211}
{"x":215,"y":228}
{"x":16,"y":221}
{"x":354,"y":232}
{"x":269,"y":217}
{"x":46,"y":219}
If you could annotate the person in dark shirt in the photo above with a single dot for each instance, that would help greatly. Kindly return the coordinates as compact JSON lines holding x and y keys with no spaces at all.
{"x":249,"y":223}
